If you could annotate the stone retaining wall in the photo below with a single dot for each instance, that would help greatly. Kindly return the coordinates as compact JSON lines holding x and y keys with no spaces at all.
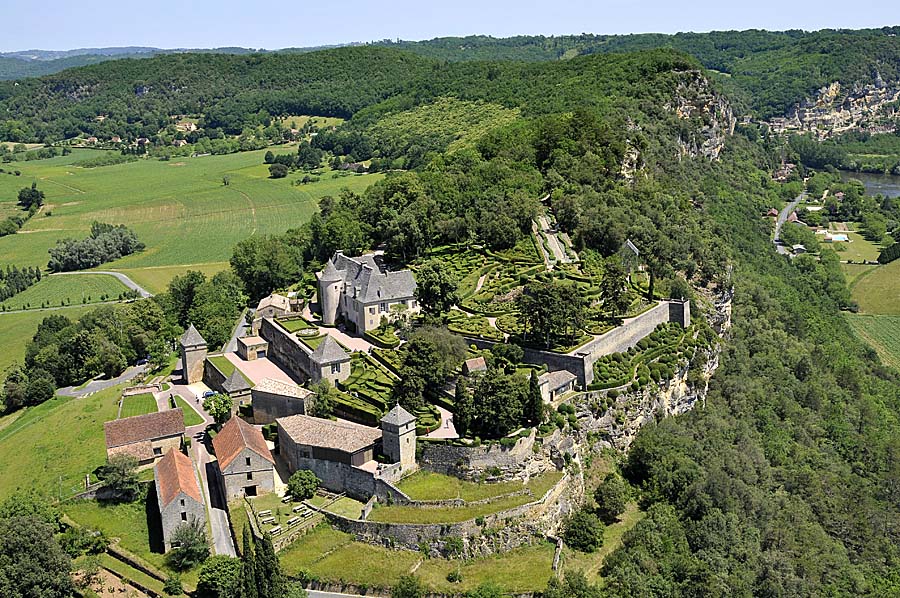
{"x":469,"y":461}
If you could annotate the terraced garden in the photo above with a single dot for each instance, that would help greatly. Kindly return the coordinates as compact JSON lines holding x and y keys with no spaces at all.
{"x":366,"y":393}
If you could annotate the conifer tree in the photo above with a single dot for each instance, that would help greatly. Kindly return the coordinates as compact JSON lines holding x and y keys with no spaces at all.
{"x":268,"y":570}
{"x":534,"y":405}
{"x":248,"y":567}
{"x":462,"y":417}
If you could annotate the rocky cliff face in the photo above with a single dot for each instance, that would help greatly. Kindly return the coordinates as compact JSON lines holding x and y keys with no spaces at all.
{"x":710,"y":114}
{"x":837,"y":109}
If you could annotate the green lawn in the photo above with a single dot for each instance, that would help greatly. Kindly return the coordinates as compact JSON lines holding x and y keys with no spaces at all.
{"x":522,"y":570}
{"x":856,"y":250}
{"x":67,"y":289}
{"x":405,"y":514}
{"x":156,"y":278}
{"x":18,"y":328}
{"x":428,"y":485}
{"x":180,"y":209}
{"x":295,"y":324}
{"x":590,"y":563}
{"x":138,"y":405}
{"x":191,"y":417}
{"x":53,"y":445}
{"x":853,"y":273}
{"x":879,"y":291}
{"x":881,"y":332}
{"x":226,"y":367}
{"x":344,"y":506}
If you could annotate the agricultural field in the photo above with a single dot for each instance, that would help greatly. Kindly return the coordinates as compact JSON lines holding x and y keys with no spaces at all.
{"x":18,"y":328}
{"x":181,"y":209}
{"x":879,"y":292}
{"x":56,"y":463}
{"x":156,"y":278}
{"x":138,"y":405}
{"x":853,"y":273}
{"x":298,"y":121}
{"x":67,"y":289}
{"x":882,"y":332}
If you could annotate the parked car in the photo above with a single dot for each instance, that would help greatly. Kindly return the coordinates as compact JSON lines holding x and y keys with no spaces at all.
{"x":208,"y":393}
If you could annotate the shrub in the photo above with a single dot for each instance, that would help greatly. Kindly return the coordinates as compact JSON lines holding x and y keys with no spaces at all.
{"x":583,"y":531}
{"x":303,"y":484}
{"x":611,"y":497}
{"x":173,"y":586}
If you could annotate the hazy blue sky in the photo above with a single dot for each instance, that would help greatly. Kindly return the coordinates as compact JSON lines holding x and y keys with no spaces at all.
{"x":66,"y":24}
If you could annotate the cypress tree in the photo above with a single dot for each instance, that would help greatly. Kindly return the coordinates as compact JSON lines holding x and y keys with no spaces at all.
{"x":534,"y":406}
{"x":268,"y":571}
{"x":462,"y":416}
{"x":248,"y":567}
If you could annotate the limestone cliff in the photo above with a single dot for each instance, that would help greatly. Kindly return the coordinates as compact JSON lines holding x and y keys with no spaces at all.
{"x":710,"y":114}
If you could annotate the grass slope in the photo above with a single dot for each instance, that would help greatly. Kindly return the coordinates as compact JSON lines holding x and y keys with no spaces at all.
{"x":878,"y":292}
{"x":18,"y":328}
{"x":180,"y":209}
{"x":71,"y":289}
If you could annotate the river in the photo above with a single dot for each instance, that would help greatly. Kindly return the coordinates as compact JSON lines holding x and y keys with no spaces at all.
{"x":885,"y":184}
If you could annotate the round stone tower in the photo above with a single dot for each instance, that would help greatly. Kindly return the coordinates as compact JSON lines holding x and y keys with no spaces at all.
{"x":330,"y":281}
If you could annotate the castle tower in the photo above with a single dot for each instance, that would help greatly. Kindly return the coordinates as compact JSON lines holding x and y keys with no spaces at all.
{"x":193,"y":354}
{"x":398,"y":436}
{"x":330,"y":281}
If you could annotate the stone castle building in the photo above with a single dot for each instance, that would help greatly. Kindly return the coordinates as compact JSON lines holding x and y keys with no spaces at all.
{"x":398,"y":440}
{"x":193,"y":354}
{"x":246,"y":465}
{"x":177,"y":494}
{"x":361,"y":291}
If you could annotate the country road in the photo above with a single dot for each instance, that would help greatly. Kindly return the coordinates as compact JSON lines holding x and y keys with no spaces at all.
{"x":122,"y":277}
{"x":782,"y":218}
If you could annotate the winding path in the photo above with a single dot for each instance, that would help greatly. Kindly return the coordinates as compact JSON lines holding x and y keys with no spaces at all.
{"x":782,"y":218}
{"x":122,"y":277}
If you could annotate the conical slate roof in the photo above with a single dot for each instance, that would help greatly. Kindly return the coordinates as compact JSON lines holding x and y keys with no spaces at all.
{"x":329,"y":351}
{"x":191,"y":337}
{"x":330,"y":273}
{"x":398,"y":416}
{"x":235,"y":382}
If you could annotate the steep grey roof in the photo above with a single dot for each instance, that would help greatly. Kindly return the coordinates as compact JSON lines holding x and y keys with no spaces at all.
{"x":235,"y":382}
{"x":277,"y":387}
{"x":556,"y":379}
{"x":398,"y":416}
{"x":367,"y":279}
{"x":191,"y":337}
{"x":329,"y":351}
{"x":339,"y":435}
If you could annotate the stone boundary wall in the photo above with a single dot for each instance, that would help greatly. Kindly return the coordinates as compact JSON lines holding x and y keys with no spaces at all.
{"x":212,"y":377}
{"x":412,"y":535}
{"x":286,"y":350}
{"x":141,"y":389}
{"x":457,"y":460}
{"x":620,"y":339}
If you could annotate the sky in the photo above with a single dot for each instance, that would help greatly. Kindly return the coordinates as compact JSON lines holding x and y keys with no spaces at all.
{"x":273,"y":24}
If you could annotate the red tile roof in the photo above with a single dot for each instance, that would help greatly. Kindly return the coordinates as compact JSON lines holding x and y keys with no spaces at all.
{"x":174,"y":474}
{"x":143,"y":427}
{"x":235,"y":436}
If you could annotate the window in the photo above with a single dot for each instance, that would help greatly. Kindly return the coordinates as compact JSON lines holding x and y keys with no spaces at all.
{"x":182,"y":502}
{"x":184,"y":516}
{"x":157,"y":451}
{"x":335,"y":368}
{"x":249,"y":475}
{"x":371,"y":310}
{"x":247,"y":461}
{"x":384,"y":307}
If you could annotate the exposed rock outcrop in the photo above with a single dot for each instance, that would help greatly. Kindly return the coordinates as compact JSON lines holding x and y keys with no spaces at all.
{"x":697,"y":102}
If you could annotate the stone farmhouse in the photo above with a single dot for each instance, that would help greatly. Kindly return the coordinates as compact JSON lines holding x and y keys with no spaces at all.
{"x":177,"y":493}
{"x":272,"y":399}
{"x":193,"y":355}
{"x":145,"y":437}
{"x":245,"y":463}
{"x":555,"y":384}
{"x":344,"y":455}
{"x":328,"y":361}
{"x":274,"y":306}
{"x":361,"y":291}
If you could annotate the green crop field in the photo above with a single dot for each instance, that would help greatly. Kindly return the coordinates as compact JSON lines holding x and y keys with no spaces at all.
{"x":156,"y":278}
{"x":180,"y":208}
{"x":67,"y":289}
{"x":52,"y":446}
{"x":18,"y":328}
{"x":882,"y":332}
{"x":878,"y":292}
{"x":138,"y":405}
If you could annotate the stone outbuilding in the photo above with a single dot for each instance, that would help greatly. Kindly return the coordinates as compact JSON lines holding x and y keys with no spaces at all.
{"x":399,"y":437}
{"x":473,"y":365}
{"x":340,"y":441}
{"x":177,"y":494}
{"x":557,"y":383}
{"x":193,"y":354}
{"x":145,"y":437}
{"x":245,"y":463}
{"x":250,"y":348}
{"x":273,"y":398}
{"x":237,"y":387}
{"x":330,"y":362}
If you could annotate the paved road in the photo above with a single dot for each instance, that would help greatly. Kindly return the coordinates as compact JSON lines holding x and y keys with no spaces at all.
{"x":96,"y":385}
{"x":242,"y":329}
{"x":782,"y":218}
{"x":122,"y":277}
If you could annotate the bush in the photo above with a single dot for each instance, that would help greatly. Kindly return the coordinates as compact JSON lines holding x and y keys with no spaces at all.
{"x":611,"y":497}
{"x":583,"y":531}
{"x":303,"y":484}
{"x":173,"y":586}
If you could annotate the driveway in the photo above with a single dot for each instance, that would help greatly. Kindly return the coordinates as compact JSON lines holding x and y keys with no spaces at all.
{"x":242,"y":329}
{"x":122,"y":277}
{"x":97,"y":385}
{"x":258,"y":369}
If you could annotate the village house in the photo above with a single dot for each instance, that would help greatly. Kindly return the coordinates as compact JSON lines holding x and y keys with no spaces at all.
{"x":145,"y":437}
{"x":273,"y":398}
{"x":179,"y":143}
{"x":115,"y":139}
{"x":236,"y":387}
{"x":177,"y":494}
{"x":274,"y":306}
{"x":245,"y":463}
{"x":361,"y":291}
{"x":473,"y":365}
{"x":344,"y":455}
{"x":555,"y":384}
